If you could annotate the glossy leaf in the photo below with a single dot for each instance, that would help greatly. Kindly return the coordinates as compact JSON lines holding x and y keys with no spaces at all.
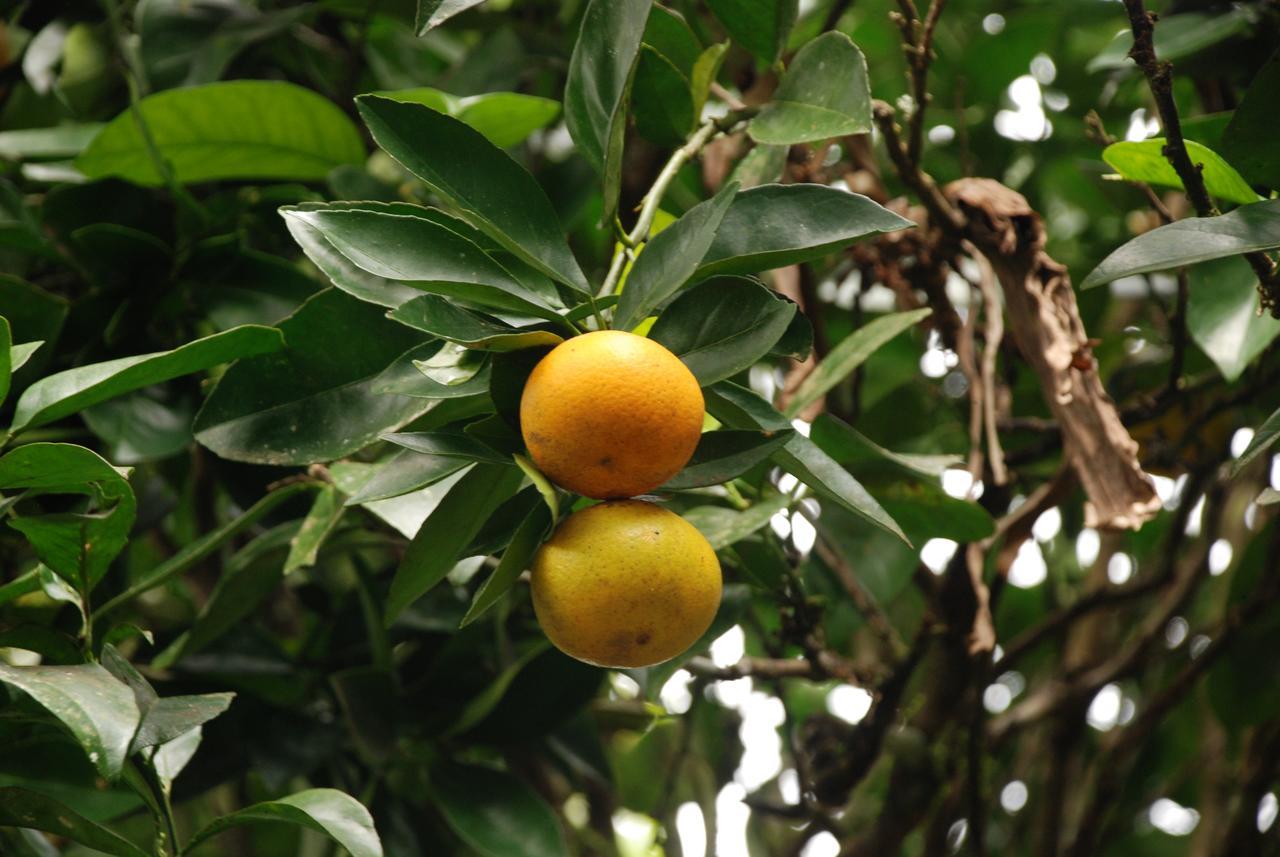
{"x":400,"y":247}
{"x":483,"y":182}
{"x":243,"y":129}
{"x":1145,"y":161}
{"x":433,"y":13}
{"x":505,"y":118}
{"x":1263,"y":439}
{"x":329,"y":811}
{"x":35,"y":811}
{"x":825,"y":93}
{"x":316,"y":400}
{"x":448,"y":529}
{"x":324,"y":515}
{"x":1249,"y":140}
{"x":404,"y":472}
{"x":515,"y":559}
{"x":723,"y":527}
{"x":723,"y":326}
{"x":447,"y":445}
{"x":724,"y":455}
{"x":1192,"y":240}
{"x":774,"y":225}
{"x":446,"y":320}
{"x":670,"y":259}
{"x":65,"y":393}
{"x":848,"y":445}
{"x":98,"y":710}
{"x":599,"y":83}
{"x":171,"y":717}
{"x":496,"y":814}
{"x":1176,"y":36}
{"x":850,"y":353}
{"x":661,"y":99}
{"x":1222,"y":315}
{"x":760,"y":26}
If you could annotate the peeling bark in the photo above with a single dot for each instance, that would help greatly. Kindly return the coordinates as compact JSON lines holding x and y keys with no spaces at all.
{"x":1046,"y":326}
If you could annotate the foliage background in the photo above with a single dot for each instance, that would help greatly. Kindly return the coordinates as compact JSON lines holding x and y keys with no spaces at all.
{"x":484,"y":740}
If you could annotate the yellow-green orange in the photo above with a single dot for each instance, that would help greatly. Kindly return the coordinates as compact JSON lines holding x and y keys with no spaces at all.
{"x":611,"y":414}
{"x":625,"y":584}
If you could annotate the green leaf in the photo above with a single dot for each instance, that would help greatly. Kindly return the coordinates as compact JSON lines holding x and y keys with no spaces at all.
{"x":450,"y":528}
{"x":479,"y":707}
{"x":925,"y":511}
{"x":847,"y":445}
{"x":760,"y":26}
{"x":723,"y":527}
{"x":491,"y":190}
{"x":723,"y":326}
{"x":1194,"y":239}
{"x":496,"y":814}
{"x":1144,"y":161}
{"x":670,"y":258}
{"x":1263,"y":439}
{"x":661,"y":99}
{"x":825,"y":93}
{"x":668,"y":33}
{"x":515,"y":559}
{"x":433,"y":13}
{"x":1249,"y":140}
{"x":598,"y":87}
{"x":146,"y":425}
{"x":20,"y":354}
{"x":340,"y":270}
{"x":324,"y":515}
{"x":446,"y":320}
{"x":171,"y":758}
{"x":774,"y":225}
{"x":447,"y":445}
{"x":1177,"y":36}
{"x":430,"y":256}
{"x":403,"y":473}
{"x":58,"y":141}
{"x":738,"y":407}
{"x":98,"y":711}
{"x":705,"y":71}
{"x":243,"y":129}
{"x":434,"y":372}
{"x":724,"y":455}
{"x":762,"y":165}
{"x":539,"y":480}
{"x":329,"y":811}
{"x":34,"y":811}
{"x":849,"y":354}
{"x":1222,"y":314}
{"x":317,"y":399}
{"x":505,"y":118}
{"x":65,"y":393}
{"x":171,"y":717}
{"x":7,"y":358}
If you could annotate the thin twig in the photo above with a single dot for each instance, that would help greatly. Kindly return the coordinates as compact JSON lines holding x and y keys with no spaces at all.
{"x":943,"y":213}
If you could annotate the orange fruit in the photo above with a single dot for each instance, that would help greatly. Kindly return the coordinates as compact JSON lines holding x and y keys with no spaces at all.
{"x":625,"y":584}
{"x":611,"y":414}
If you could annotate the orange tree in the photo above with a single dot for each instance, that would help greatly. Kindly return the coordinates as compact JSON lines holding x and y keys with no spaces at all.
{"x":909,"y":545}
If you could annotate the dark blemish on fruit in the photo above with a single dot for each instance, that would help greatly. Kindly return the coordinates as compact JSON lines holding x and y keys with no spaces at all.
{"x":642,"y":638}
{"x":606,"y":461}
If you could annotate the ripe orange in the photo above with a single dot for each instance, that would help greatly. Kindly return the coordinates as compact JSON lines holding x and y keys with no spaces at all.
{"x":611,"y":414}
{"x":625,"y":584}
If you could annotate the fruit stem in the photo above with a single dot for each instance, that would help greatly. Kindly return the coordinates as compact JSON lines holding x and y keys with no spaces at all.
{"x":653,"y":199}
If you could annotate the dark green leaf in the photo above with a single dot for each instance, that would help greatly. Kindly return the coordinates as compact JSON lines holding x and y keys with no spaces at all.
{"x":449,"y":528}
{"x":848,"y":446}
{"x":760,"y":26}
{"x":65,"y":393}
{"x":243,"y":129}
{"x":446,"y":320}
{"x":493,"y":191}
{"x":1195,"y":239}
{"x":505,"y":118}
{"x":670,"y":258}
{"x":434,"y":372}
{"x":35,"y":811}
{"x":825,"y":93}
{"x":1222,"y":314}
{"x":1176,"y":36}
{"x":1144,"y":161}
{"x":723,"y":527}
{"x":1249,"y":140}
{"x":171,"y":717}
{"x":478,"y":707}
{"x":6,"y":358}
{"x":495,"y":813}
{"x":1263,"y":439}
{"x":599,"y":83}
{"x":723,"y":326}
{"x":98,"y":711}
{"x":328,"y":811}
{"x":145,"y":425}
{"x":433,"y":13}
{"x":447,"y":444}
{"x":316,"y":400}
{"x":925,"y":511}
{"x":661,"y":99}
{"x":705,"y":71}
{"x":515,"y":559}
{"x":849,"y":354}
{"x":771,"y":226}
{"x":724,"y":455}
{"x":405,"y":472}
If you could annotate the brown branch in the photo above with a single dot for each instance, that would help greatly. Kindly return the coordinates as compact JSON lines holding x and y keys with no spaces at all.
{"x":827,"y":665}
{"x":862,"y":598}
{"x":941,"y":212}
